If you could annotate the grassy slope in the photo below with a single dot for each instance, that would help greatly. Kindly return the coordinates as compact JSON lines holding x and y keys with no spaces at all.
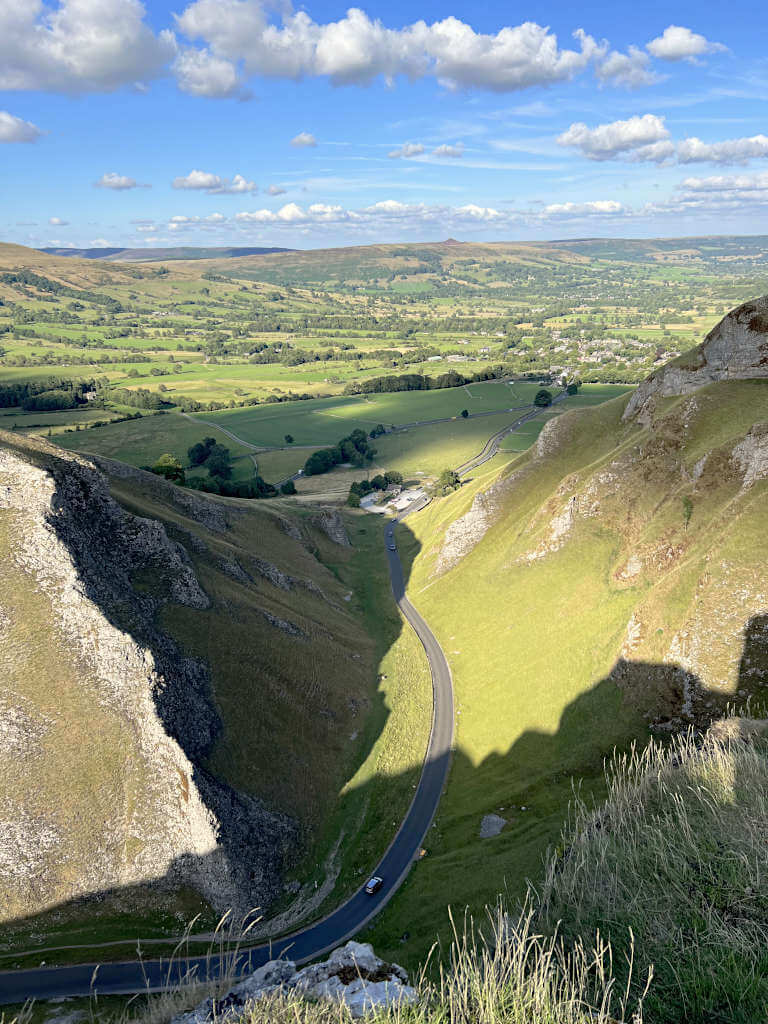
{"x":532,"y":644}
{"x":309,"y":725}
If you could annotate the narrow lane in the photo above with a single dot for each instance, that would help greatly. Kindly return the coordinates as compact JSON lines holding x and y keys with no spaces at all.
{"x":343,"y":923}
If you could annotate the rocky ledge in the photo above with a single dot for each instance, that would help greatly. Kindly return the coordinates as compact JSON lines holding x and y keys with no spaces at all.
{"x":352,"y":976}
{"x":736,"y":349}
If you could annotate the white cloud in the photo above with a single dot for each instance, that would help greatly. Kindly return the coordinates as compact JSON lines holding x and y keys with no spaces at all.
{"x":600,"y":207}
{"x":200,"y":73}
{"x":647,"y":139}
{"x":450,"y":152}
{"x":276,"y":190}
{"x":214,"y":184}
{"x":79,"y":45}
{"x":303,"y":139}
{"x":117,"y":182}
{"x":727,"y":183}
{"x":608,"y":141}
{"x":407,"y":151}
{"x":57,"y":222}
{"x":731,"y":151}
{"x":631,"y":70}
{"x":678,"y":43}
{"x":13,"y":129}
{"x":356,"y":49}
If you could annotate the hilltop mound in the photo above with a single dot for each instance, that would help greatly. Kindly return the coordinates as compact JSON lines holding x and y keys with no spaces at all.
{"x":736,"y":349}
{"x":181,"y":673}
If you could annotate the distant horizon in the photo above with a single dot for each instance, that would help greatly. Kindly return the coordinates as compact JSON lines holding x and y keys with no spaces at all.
{"x":267,"y":249}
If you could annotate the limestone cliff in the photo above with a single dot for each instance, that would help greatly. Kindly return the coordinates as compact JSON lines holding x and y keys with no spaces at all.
{"x":106,"y":721}
{"x":736,"y":349}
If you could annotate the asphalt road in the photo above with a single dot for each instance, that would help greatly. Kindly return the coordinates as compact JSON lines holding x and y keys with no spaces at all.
{"x":133,"y":976}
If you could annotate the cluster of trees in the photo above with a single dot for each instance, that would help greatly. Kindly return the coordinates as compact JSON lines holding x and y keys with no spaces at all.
{"x":214,"y":456}
{"x":29,"y":394}
{"x":140,"y":398}
{"x":449,"y":480}
{"x":380,"y":482}
{"x":421,"y":382}
{"x":543,"y":398}
{"x":355,"y":448}
{"x":45,"y":284}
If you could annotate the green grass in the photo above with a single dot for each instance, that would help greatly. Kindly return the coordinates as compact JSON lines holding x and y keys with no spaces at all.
{"x":534,"y":642}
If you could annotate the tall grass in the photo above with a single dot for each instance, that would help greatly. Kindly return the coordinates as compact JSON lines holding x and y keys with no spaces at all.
{"x":502,"y":973}
{"x":678,"y":858}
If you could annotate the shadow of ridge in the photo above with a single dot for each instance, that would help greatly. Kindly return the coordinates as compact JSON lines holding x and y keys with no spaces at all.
{"x":256,"y":843}
{"x":590,"y":726}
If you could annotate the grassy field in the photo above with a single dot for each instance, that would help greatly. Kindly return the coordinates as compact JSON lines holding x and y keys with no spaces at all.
{"x":535,"y":630}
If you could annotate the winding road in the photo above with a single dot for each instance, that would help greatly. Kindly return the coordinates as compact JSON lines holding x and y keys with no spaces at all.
{"x":349,"y":918}
{"x":126,"y":977}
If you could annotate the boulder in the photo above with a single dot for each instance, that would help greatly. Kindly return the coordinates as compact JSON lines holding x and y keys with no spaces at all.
{"x":352,"y":975}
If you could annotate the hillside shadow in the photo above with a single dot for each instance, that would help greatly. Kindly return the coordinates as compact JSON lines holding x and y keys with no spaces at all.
{"x":128,"y":583}
{"x":533,"y":777}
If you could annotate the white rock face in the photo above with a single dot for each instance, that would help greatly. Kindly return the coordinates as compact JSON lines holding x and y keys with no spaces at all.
{"x":736,"y":349}
{"x":352,"y":975}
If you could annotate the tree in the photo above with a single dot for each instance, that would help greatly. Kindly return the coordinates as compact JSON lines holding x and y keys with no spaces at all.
{"x":219,"y":462}
{"x":393,"y":477}
{"x":169,"y":467}
{"x":573,"y":387}
{"x":379,"y":482}
{"x":543,"y":398}
{"x":687,"y":510}
{"x":289,"y":487}
{"x":199,"y":452}
{"x":449,"y":480}
{"x":289,"y":438}
{"x":464,"y":413}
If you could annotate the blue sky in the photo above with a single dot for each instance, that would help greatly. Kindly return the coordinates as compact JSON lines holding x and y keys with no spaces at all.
{"x":225,"y":122}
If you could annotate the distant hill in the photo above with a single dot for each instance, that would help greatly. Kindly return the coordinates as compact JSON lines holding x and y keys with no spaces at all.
{"x":115,"y":255}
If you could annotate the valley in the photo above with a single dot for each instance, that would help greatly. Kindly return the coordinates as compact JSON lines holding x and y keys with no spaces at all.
{"x":255,"y":732}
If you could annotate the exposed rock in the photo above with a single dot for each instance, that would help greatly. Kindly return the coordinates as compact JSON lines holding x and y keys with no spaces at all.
{"x":286,"y":627}
{"x":751,"y":454}
{"x":232,"y":568}
{"x":106,"y":574}
{"x":736,"y":349}
{"x":491,"y":825}
{"x":352,"y":976}
{"x":332,"y":525}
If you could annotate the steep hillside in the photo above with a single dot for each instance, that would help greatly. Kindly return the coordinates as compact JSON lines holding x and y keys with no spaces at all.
{"x":609,"y":581}
{"x":193,"y":678}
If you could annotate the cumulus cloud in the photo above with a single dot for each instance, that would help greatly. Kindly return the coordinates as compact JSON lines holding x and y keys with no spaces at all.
{"x":647,"y":139}
{"x":57,"y":222}
{"x":727,"y":183}
{"x":303,"y":139}
{"x":731,"y":151}
{"x":117,"y":182}
{"x":214,"y":184}
{"x":13,"y":129}
{"x":356,"y":49}
{"x":609,"y":141}
{"x":600,"y":207}
{"x":79,"y":46}
{"x":631,"y":70}
{"x":276,"y":190}
{"x":450,"y":152}
{"x":407,"y":151}
{"x":678,"y":43}
{"x":393,"y":213}
{"x":200,"y":73}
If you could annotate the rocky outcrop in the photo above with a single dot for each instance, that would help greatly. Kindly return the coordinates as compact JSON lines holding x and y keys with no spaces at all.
{"x":332,"y":525}
{"x":352,"y":976}
{"x":736,"y":349}
{"x":105,"y":575}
